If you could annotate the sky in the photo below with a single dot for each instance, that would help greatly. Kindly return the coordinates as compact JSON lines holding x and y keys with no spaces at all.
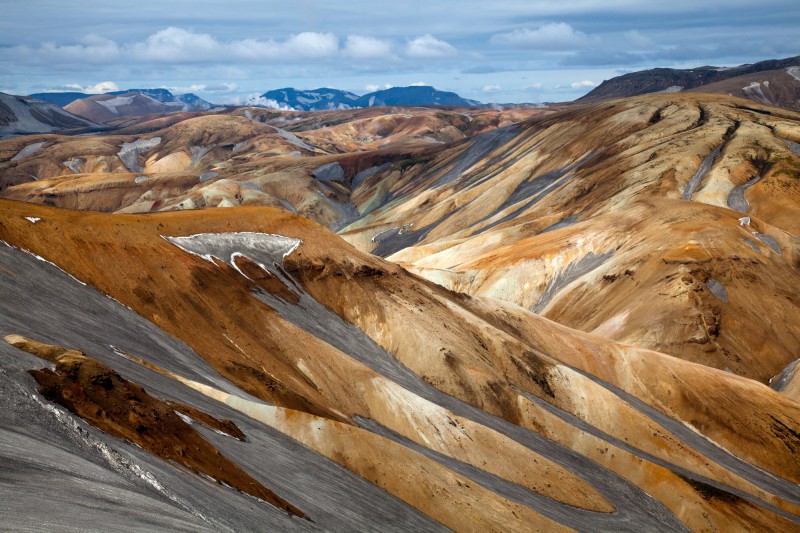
{"x":495,"y":52}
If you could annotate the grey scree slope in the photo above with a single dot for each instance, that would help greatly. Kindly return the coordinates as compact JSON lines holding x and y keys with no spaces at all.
{"x":60,"y":473}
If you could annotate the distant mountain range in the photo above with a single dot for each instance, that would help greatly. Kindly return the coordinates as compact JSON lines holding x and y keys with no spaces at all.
{"x":162,"y":95}
{"x":313,"y":100}
{"x":776,"y":81}
{"x":326,"y":98}
{"x":111,"y":106}
{"x":20,"y":115}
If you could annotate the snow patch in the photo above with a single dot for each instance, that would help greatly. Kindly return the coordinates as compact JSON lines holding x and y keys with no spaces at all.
{"x":129,"y":152}
{"x":74,"y":164}
{"x":754,"y":91}
{"x":113,"y":103}
{"x":28,"y":151}
{"x":794,"y":72}
{"x":258,"y":247}
{"x":33,"y":220}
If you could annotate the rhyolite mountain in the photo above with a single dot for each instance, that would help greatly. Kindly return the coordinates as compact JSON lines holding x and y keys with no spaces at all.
{"x":194,"y":102}
{"x":22,"y":115}
{"x":673,"y":80}
{"x":319,"y":99}
{"x":110,"y":106}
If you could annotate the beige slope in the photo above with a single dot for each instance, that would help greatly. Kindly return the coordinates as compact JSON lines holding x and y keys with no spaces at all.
{"x":613,"y":178}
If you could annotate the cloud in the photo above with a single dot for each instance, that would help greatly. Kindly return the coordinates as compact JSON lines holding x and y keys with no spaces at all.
{"x":428,"y":46}
{"x":532,"y":87}
{"x":309,"y":45}
{"x":491,"y":88}
{"x":176,"y":45}
{"x":92,"y":49}
{"x":256,"y":100}
{"x":203,"y":88}
{"x":585,"y":84}
{"x":372,"y":87}
{"x":97,"y":88}
{"x":418,"y":84}
{"x":552,"y":36}
{"x":360,"y":47}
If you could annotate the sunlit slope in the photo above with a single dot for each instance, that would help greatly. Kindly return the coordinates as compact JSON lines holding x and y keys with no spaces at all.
{"x":466,"y":410}
{"x":621,"y":218}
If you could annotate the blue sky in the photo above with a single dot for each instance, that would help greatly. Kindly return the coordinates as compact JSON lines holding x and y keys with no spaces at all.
{"x":227,"y":52}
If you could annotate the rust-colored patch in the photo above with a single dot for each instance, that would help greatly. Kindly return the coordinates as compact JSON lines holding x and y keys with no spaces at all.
{"x":104,"y":399}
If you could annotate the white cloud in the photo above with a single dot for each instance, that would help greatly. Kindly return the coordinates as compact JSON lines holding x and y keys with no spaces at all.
{"x":533,"y":87}
{"x":360,"y":47}
{"x":428,"y":46}
{"x":585,"y":84}
{"x":176,"y":45}
{"x":310,"y":44}
{"x":553,"y":36}
{"x":202,"y":87}
{"x":418,"y":84}
{"x":491,"y":88}
{"x":372,"y":87}
{"x":259,"y":101}
{"x":92,"y":49}
{"x":97,"y":88}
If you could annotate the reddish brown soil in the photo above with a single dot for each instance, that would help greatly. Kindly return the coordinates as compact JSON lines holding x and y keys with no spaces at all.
{"x":107,"y":401}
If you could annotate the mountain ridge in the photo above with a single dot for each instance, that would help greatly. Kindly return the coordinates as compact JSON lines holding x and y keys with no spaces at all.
{"x":326,"y":98}
{"x":671,"y":80}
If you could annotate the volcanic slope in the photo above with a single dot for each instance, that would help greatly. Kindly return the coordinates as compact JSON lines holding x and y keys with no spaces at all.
{"x":667,"y":222}
{"x":302,"y":162}
{"x":369,"y":397}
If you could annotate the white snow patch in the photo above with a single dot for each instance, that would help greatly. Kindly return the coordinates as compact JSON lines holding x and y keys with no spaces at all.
{"x":113,"y":103}
{"x":744,"y":221}
{"x":754,"y":91}
{"x":33,"y":220}
{"x":210,"y":245}
{"x":129,"y":152}
{"x":28,"y":150}
{"x":794,"y":72}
